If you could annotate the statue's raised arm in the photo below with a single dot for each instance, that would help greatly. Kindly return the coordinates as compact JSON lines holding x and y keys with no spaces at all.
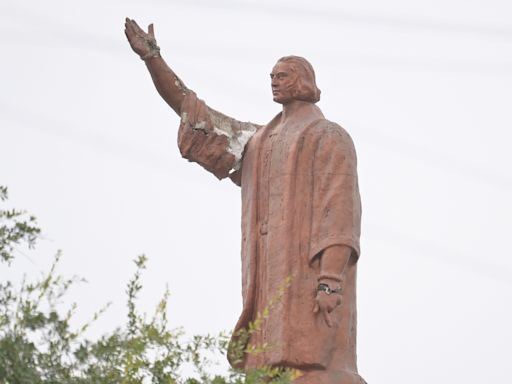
{"x":168,"y":85}
{"x":207,"y":137}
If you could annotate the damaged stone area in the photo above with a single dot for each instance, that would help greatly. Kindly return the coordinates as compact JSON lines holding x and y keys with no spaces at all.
{"x":217,"y":141}
{"x":238,"y":134}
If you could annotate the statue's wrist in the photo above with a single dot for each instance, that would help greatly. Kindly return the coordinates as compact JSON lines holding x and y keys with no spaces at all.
{"x":328,"y":289}
{"x":153,"y":53}
{"x":154,"y":49}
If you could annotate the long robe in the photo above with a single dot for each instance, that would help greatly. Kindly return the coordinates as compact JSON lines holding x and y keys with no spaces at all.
{"x":299,"y":196}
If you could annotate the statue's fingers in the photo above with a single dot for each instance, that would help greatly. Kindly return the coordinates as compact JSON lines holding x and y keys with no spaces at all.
{"x":327,"y":318}
{"x":151,"y":30}
{"x":126,"y":24}
{"x":137,"y":28}
{"x":130,"y":29}
{"x":129,"y":32}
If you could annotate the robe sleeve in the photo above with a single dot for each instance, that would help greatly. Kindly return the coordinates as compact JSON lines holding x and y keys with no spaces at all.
{"x":211,"y":139}
{"x":336,"y":215}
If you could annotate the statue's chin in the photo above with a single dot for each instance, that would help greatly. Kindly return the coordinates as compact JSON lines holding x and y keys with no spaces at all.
{"x":279,"y":100}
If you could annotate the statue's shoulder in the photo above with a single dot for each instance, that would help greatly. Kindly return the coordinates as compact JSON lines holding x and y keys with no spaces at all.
{"x":330,"y":131}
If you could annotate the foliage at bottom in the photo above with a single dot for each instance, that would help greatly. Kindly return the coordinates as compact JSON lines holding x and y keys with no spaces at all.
{"x":39,"y":345}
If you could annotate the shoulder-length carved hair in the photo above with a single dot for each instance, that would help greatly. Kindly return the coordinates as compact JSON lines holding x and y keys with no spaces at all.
{"x":305,"y":88}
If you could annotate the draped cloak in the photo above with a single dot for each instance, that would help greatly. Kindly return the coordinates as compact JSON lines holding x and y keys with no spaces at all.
{"x":299,"y":196}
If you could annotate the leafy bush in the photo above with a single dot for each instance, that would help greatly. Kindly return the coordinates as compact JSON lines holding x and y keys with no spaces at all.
{"x":38,"y":344}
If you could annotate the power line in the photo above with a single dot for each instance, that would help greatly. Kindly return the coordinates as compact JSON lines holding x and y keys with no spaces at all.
{"x":78,"y":39}
{"x":370,"y":19}
{"x":427,"y":155}
{"x":96,"y":142}
{"x":112,"y":48}
{"x":433,"y":250}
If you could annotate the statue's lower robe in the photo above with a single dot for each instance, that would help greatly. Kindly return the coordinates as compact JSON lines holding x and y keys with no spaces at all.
{"x":299,"y":196}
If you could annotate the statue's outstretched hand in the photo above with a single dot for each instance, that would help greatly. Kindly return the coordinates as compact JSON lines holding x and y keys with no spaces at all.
{"x":142,"y":43}
{"x":325,"y":304}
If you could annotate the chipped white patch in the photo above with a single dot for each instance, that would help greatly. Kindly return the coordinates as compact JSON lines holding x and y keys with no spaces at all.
{"x":237,"y":146}
{"x":236,"y":140}
{"x":200,"y":126}
{"x":238,"y":133}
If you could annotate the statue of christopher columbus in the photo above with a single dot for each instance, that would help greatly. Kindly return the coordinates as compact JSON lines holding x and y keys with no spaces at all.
{"x":301,"y":215}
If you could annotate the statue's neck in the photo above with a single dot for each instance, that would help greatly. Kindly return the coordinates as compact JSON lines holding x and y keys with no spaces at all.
{"x":300,"y":111}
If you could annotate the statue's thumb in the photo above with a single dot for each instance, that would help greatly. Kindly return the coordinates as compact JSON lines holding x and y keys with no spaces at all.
{"x":151,"y":30}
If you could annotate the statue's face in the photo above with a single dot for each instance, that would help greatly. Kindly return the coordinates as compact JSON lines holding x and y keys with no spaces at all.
{"x":282,"y":82}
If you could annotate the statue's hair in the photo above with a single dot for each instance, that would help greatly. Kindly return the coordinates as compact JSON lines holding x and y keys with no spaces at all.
{"x":305,"y":85}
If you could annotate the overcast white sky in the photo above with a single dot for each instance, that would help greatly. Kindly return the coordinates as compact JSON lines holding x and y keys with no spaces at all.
{"x":424,"y":88}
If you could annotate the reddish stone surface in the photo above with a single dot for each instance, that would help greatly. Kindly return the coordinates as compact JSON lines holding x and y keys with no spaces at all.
{"x":301,"y":216}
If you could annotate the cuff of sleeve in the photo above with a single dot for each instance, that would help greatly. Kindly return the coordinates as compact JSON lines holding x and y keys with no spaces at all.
{"x":318,"y":246}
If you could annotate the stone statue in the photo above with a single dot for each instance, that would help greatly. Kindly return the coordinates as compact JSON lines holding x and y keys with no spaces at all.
{"x":301,"y":216}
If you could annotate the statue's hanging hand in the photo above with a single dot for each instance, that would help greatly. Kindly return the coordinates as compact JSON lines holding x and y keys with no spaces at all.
{"x":325,"y":304}
{"x":143,"y":43}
